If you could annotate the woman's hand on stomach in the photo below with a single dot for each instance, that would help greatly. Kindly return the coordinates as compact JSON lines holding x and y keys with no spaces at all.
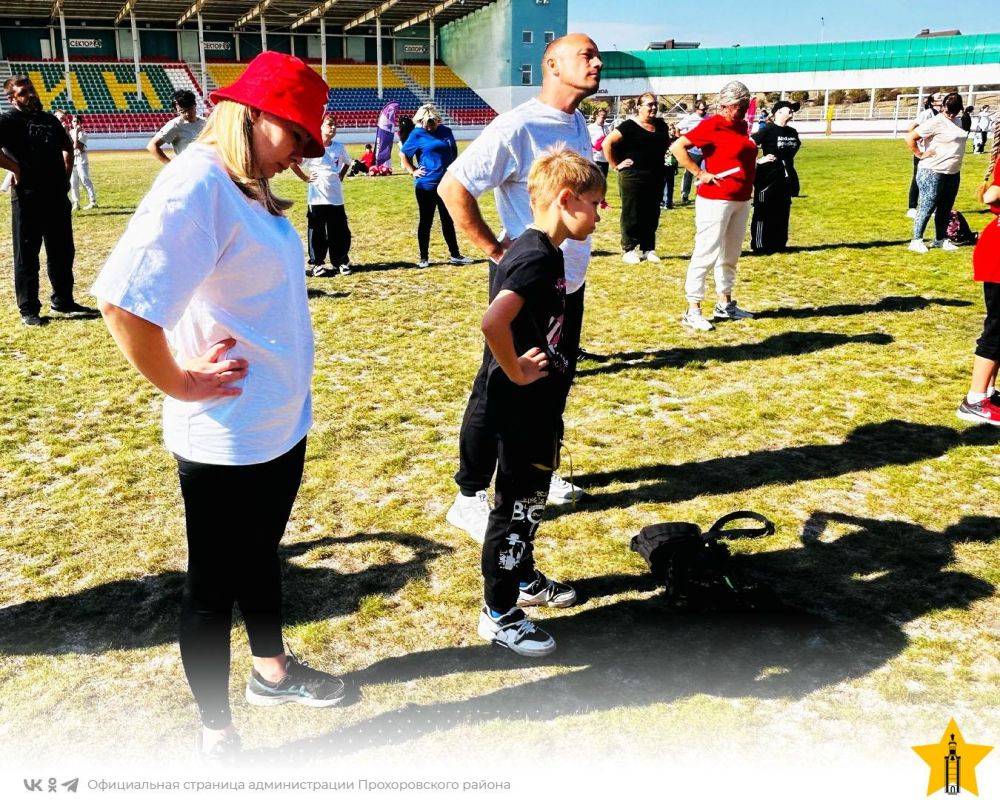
{"x":210,"y":375}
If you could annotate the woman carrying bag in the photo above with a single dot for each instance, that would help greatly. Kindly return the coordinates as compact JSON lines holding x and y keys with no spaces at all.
{"x":205,"y":295}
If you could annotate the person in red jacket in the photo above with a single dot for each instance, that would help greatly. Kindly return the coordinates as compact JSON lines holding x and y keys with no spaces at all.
{"x":982,"y":403}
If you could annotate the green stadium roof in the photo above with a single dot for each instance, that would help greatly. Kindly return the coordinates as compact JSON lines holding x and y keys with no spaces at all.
{"x":828,"y":56}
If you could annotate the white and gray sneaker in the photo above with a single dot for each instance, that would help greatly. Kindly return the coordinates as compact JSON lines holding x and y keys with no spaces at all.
{"x":631,"y":257}
{"x":652,"y":257}
{"x":943,"y":244}
{"x":696,"y":321}
{"x":544,"y":591}
{"x":917,"y":246}
{"x":471,"y":514}
{"x":730,"y":311}
{"x":515,"y":632}
{"x":459,"y":260}
{"x":561,"y":491}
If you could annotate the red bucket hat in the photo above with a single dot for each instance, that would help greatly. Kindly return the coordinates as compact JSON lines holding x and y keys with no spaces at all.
{"x":286,"y":87}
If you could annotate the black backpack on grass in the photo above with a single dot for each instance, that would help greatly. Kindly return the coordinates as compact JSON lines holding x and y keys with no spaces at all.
{"x":697,"y":570}
{"x":959,"y":231}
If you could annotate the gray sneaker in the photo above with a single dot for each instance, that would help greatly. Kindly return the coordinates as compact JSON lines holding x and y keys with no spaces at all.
{"x":730,"y":311}
{"x":302,"y":684}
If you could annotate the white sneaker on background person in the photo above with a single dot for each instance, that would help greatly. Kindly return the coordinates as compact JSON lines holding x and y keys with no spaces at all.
{"x":730,"y":311}
{"x":561,"y":491}
{"x":944,"y":244}
{"x":918,"y":246}
{"x":460,"y":260}
{"x":471,"y":514}
{"x":516,"y":632}
{"x":632,"y":257}
{"x":912,"y":213}
{"x":696,"y":321}
{"x":651,"y":256}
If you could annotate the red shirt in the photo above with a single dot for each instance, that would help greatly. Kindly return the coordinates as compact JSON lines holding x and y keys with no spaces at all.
{"x":986,"y":256}
{"x":367,"y":158}
{"x":726,"y":145}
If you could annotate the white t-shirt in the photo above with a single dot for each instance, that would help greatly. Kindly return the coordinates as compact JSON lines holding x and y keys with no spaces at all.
{"x":79,"y":136}
{"x":327,"y":190}
{"x":946,"y":138}
{"x":206,"y":263}
{"x":179,"y":133}
{"x":596,"y":132}
{"x":689,"y":122}
{"x":501,"y":158}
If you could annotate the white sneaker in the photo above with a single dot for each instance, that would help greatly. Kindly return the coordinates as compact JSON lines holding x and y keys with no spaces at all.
{"x":944,"y":244}
{"x":912,"y":213}
{"x":75,"y":207}
{"x":696,"y":321}
{"x":918,"y":246}
{"x":561,"y":491}
{"x":515,"y":632}
{"x":730,"y":311}
{"x":423,"y":263}
{"x":651,"y":256}
{"x":459,"y":260}
{"x":89,"y":206}
{"x":471,"y":514}
{"x":632,"y":257}
{"x":546,"y":592}
{"x":345,"y":269}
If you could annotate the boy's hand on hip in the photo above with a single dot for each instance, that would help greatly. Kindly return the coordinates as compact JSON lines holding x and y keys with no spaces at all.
{"x":534,"y":365}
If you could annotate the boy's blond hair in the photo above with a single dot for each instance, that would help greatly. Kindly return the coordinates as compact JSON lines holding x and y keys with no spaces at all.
{"x":561,"y":168}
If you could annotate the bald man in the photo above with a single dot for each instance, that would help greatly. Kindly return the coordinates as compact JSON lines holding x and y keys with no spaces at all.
{"x":500,"y":160}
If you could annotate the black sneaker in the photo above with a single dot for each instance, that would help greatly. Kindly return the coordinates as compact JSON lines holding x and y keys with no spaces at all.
{"x":515,"y":632}
{"x":225,"y":751}
{"x":544,"y":591}
{"x":34,"y":320}
{"x":302,"y":684}
{"x":74,"y":308}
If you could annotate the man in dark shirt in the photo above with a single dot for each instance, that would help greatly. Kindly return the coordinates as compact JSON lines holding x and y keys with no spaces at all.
{"x":36,"y":148}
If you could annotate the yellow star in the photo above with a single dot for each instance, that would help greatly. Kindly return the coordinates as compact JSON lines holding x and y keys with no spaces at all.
{"x":936,"y":754}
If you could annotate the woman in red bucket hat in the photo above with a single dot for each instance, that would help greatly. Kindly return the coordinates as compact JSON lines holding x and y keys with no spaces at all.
{"x":205,"y":295}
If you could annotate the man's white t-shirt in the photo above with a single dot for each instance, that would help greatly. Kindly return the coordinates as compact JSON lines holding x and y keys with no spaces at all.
{"x":326,"y":189}
{"x":205,"y":263}
{"x":179,"y":133}
{"x":946,"y":139}
{"x":501,"y":158}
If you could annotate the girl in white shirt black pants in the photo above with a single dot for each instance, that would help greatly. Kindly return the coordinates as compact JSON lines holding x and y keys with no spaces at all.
{"x":211,"y":265}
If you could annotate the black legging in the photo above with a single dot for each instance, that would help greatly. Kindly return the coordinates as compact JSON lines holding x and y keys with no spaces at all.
{"x":235,"y":518}
{"x":641,"y":195}
{"x":427,"y":201}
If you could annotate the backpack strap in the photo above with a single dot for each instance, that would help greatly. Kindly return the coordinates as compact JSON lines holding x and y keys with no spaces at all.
{"x":717,"y":530}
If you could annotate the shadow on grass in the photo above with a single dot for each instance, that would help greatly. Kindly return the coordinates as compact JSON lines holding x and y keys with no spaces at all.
{"x":123,"y":615}
{"x":887,"y":304}
{"x":317,"y":293}
{"x":790,"y":343}
{"x":855,"y":593}
{"x":814,"y":248}
{"x":868,"y":447}
{"x":391,"y":265}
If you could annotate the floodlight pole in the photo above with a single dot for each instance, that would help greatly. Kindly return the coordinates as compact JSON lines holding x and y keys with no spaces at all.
{"x":432,"y":58}
{"x":972,"y":89}
{"x":135,"y":55}
{"x":322,"y":45}
{"x":201,"y":56}
{"x":871,"y":104}
{"x":263,"y":33}
{"x":378,"y":52}
{"x":65,"y":48}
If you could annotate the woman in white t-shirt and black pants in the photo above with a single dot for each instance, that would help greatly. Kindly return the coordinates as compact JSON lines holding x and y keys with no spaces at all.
{"x":206,"y":296}
{"x":939,"y":171}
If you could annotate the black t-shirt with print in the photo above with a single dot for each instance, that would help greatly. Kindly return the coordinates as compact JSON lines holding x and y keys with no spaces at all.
{"x":646,"y":148}
{"x":533,"y":268}
{"x":37,"y":142}
{"x":781,"y":141}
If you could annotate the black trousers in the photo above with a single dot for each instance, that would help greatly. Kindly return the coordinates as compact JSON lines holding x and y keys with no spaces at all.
{"x":603,"y":167}
{"x":529,"y":432}
{"x":235,"y":518}
{"x":988,"y":345}
{"x":670,"y":174}
{"x":35,"y":220}
{"x":478,"y":441}
{"x":688,"y":178}
{"x":769,"y":225}
{"x":427,"y":201}
{"x":328,"y":231}
{"x":641,"y":195}
{"x":914,"y":197}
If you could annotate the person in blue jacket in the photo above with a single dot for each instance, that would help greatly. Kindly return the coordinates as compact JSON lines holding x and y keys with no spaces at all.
{"x":427,"y":153}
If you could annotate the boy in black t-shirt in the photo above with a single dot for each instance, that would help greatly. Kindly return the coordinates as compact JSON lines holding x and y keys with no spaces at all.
{"x":527,"y":381}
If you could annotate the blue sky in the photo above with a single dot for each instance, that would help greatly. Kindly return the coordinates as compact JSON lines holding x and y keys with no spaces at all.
{"x":631,"y":24}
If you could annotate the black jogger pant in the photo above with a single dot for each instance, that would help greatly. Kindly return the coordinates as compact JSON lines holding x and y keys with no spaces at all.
{"x":769,"y":226}
{"x":641,"y":195}
{"x":328,"y":231}
{"x":988,"y":345}
{"x":477,"y":441}
{"x":235,"y":518}
{"x":36,"y":219}
{"x":529,"y":433}
{"x":914,"y":189}
{"x":427,"y":201}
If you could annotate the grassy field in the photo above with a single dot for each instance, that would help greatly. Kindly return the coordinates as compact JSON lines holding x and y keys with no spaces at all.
{"x":833,"y":413}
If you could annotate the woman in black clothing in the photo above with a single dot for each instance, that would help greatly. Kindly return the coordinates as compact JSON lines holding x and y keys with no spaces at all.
{"x":776,"y":182}
{"x":637,"y":148}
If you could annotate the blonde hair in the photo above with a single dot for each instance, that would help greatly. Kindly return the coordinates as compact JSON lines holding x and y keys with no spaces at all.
{"x":561,"y":168}
{"x":229,"y":130}
{"x":426,"y":112}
